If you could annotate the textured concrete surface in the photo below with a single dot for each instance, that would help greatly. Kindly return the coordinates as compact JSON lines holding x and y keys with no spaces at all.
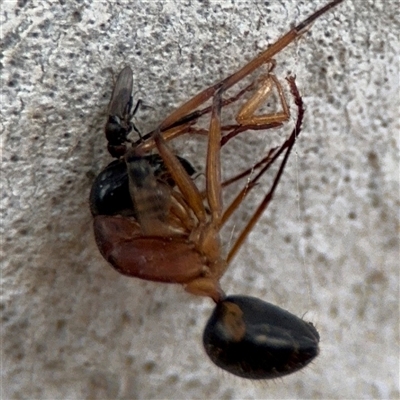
{"x":327,"y":249}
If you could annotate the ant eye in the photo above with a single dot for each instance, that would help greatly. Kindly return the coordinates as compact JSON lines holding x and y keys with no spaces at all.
{"x":257,"y":340}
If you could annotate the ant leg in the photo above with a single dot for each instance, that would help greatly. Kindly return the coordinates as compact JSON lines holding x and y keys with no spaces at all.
{"x":182,"y":211}
{"x":287,"y":145}
{"x":213,"y":166}
{"x":248,"y":171}
{"x":182,"y":179}
{"x":265,"y":162}
{"x":148,"y":143}
{"x":246,"y":115}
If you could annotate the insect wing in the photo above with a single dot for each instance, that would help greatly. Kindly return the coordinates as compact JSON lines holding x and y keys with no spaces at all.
{"x":150,"y":197}
{"x":118,"y":125}
{"x":121,"y":99}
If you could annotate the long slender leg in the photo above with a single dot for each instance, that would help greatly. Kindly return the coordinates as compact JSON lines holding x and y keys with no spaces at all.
{"x":213,"y":168}
{"x":246,"y":115}
{"x":149,"y":140}
{"x":288,"y":145}
{"x":266,"y":162}
{"x":248,"y":171}
{"x":182,"y":212}
{"x":182,"y":179}
{"x":235,"y":130}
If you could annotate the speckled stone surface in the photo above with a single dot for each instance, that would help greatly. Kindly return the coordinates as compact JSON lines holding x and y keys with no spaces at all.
{"x":327,"y":248}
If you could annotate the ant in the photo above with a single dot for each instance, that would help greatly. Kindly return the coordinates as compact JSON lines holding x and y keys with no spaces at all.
{"x":151,"y":220}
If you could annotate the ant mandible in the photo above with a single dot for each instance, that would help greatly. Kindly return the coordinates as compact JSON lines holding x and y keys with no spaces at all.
{"x":151,"y":221}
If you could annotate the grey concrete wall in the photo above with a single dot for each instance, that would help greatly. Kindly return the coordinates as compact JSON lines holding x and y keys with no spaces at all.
{"x":327,"y":248}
